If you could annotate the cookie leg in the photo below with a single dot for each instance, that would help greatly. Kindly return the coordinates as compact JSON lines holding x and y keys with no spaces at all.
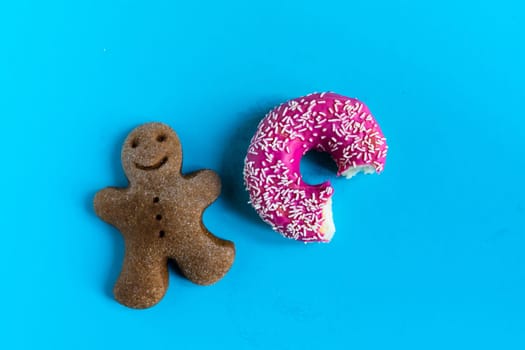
{"x":205,"y":258}
{"x":143,"y":280}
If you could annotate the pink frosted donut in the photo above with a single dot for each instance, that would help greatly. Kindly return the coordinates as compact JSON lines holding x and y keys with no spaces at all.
{"x":327,"y":122}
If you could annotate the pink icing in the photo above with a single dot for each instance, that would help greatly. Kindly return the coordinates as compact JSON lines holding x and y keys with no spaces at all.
{"x":327,"y":122}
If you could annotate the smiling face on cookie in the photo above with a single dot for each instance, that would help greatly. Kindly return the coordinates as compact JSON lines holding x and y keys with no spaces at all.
{"x":150,"y":150}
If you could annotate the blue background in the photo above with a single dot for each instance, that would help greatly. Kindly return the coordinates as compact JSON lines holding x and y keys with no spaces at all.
{"x":430,"y":254}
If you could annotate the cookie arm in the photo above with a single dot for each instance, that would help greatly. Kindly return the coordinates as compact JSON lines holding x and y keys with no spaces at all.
{"x":109,"y":205}
{"x":204,"y":185}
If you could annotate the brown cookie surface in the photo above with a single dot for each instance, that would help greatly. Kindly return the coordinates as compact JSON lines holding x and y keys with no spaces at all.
{"x":160,"y":218}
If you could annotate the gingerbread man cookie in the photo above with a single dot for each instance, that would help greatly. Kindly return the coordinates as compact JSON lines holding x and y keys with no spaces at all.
{"x":160,"y":217}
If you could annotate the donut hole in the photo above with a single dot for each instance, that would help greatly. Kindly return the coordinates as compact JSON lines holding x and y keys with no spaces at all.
{"x":316,"y":167}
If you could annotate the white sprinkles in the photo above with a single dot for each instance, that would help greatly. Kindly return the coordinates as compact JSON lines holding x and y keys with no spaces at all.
{"x":326,"y":122}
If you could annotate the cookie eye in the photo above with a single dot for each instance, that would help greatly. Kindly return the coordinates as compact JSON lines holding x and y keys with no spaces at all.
{"x":161,"y":138}
{"x":134,"y":143}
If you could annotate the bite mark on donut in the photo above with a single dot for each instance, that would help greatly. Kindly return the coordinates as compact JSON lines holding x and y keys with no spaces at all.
{"x":353,"y":171}
{"x":327,"y":229}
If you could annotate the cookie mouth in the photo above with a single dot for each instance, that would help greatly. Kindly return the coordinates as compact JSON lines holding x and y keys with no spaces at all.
{"x":152,"y":167}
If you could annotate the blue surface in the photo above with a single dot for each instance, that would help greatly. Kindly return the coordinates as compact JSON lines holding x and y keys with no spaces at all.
{"x":429,"y":255}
